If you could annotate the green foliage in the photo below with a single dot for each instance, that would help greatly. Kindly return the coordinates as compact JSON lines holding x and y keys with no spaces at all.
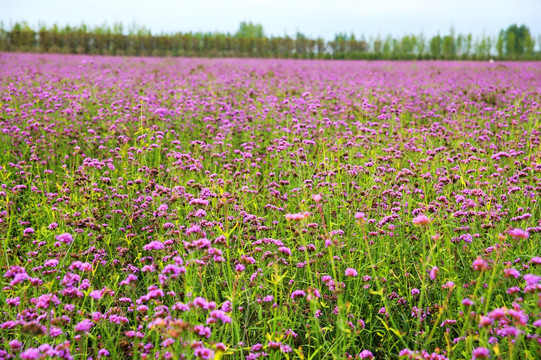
{"x":249,"y":30}
{"x":518,"y":37}
{"x":514,"y":43}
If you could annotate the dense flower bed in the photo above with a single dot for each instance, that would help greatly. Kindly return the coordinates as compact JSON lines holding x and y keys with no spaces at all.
{"x":194,"y":208}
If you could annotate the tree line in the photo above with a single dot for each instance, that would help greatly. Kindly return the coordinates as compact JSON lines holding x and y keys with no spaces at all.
{"x":514,"y":43}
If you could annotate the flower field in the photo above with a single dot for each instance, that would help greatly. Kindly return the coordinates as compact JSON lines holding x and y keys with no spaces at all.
{"x":269,"y":209}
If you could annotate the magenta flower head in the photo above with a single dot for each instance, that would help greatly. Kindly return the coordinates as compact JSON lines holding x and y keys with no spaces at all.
{"x":239,"y":268}
{"x":103,"y":353}
{"x":351,"y":272}
{"x":15,"y":345}
{"x":421,"y":220}
{"x":28,"y":231}
{"x":479,"y":264}
{"x":204,"y":353}
{"x":519,"y":234}
{"x":84,"y":326}
{"x":30,"y":354}
{"x":480,"y":353}
{"x":317,"y":198}
{"x":360,"y":216}
{"x":65,"y":238}
{"x":448,"y":285}
{"x":434,"y":272}
{"x":297,"y":217}
{"x":154,"y":245}
{"x":366,"y":354}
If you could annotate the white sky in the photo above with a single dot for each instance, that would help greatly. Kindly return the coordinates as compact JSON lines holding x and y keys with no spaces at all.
{"x":279,"y":17}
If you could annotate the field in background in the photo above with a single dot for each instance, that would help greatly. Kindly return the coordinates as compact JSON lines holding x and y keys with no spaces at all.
{"x":269,"y":209}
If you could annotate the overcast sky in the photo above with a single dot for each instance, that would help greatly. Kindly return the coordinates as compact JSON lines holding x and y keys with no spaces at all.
{"x":278,"y":17}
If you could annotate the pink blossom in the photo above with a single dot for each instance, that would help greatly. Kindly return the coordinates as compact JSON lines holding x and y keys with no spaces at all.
{"x":519,"y":234}
{"x":421,"y":220}
{"x":480,"y":353}
{"x":351,"y":272}
{"x":479,"y":264}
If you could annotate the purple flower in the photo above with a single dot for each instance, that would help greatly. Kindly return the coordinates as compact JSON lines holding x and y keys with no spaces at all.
{"x":531,"y":279}
{"x":65,"y":238}
{"x":81,"y":266}
{"x":154,"y":245}
{"x":167,"y":342}
{"x":366,"y":354}
{"x":479,"y":264}
{"x":509,"y":331}
{"x":129,"y":279}
{"x":96,"y":294}
{"x":103,"y":353}
{"x":496,"y":314}
{"x":434,"y":272}
{"x":218,"y":315}
{"x":47,"y":300}
{"x":15,"y":345}
{"x":51,"y":263}
{"x":239,"y":268}
{"x":511,"y":272}
{"x":485,"y":321}
{"x":360,"y":216}
{"x":298,"y":216}
{"x":84,"y":326}
{"x":297,"y":293}
{"x":480,"y":353}
{"x":351,"y":272}
{"x":421,"y":220}
{"x":202,"y":331}
{"x":30,"y":354}
{"x":27,"y":232}
{"x":202,"y":303}
{"x":448,"y":285}
{"x":518,"y":234}
{"x":204,"y":353}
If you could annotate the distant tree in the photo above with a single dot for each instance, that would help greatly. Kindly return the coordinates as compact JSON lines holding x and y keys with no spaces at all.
{"x":378,"y":44}
{"x":407,"y":46}
{"x":387,"y":47}
{"x":321,"y":47}
{"x":301,"y":44}
{"x":499,"y":44}
{"x":435,"y":47}
{"x":517,"y":37}
{"x":469,"y":43}
{"x":529,"y":45}
{"x":515,"y":42}
{"x":449,"y":45}
{"x":250,"y":30}
{"x":460,"y":45}
{"x":489,"y":44}
{"x":421,"y":45}
{"x":510,"y":43}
